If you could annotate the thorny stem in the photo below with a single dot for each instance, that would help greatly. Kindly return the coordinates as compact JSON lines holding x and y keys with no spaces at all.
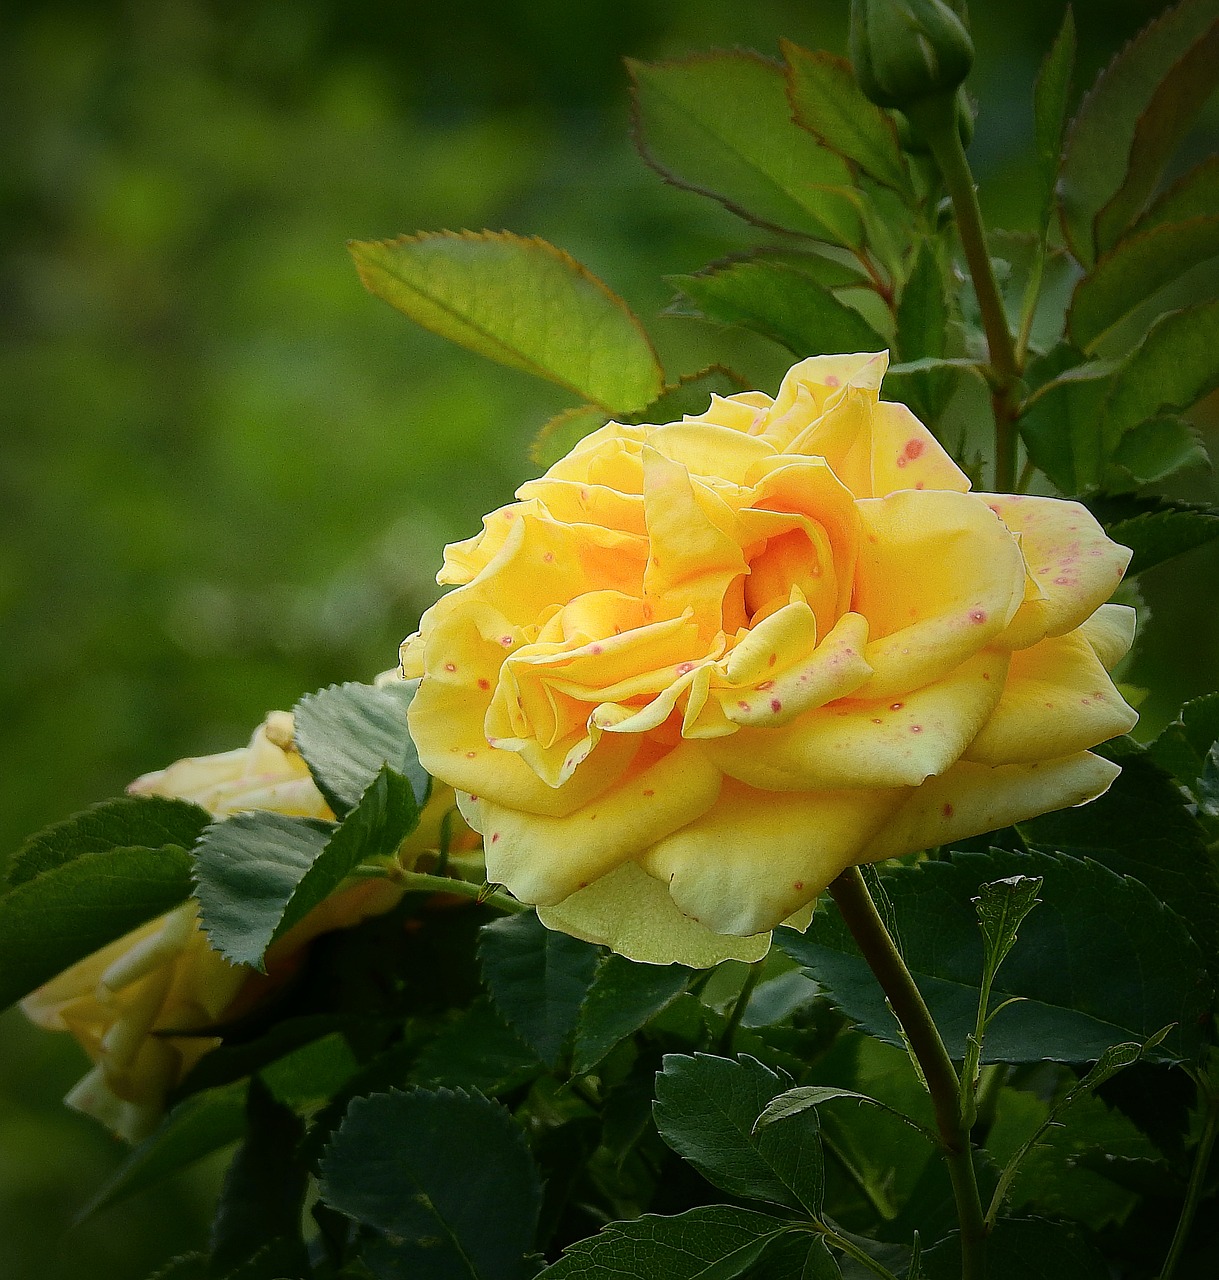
{"x":859,"y":912}
{"x":1197,"y":1178}
{"x":936,"y":120}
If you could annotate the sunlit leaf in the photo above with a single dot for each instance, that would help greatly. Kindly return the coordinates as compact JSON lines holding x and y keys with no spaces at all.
{"x":827,"y":101}
{"x":720,"y":124}
{"x":522,"y":302}
{"x":1158,"y":448}
{"x":781,"y":303}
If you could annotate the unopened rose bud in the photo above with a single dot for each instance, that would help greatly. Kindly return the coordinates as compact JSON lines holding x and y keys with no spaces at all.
{"x":906,"y":51}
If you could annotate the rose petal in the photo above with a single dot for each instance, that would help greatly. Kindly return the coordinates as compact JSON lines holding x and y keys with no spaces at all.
{"x":1058,"y":699}
{"x":972,"y":798}
{"x":905,"y":455}
{"x":853,"y":743}
{"x":1074,"y":563}
{"x":542,"y":859}
{"x":633,"y":913}
{"x":756,"y":857}
{"x":1110,"y":631}
{"x":580,"y":502}
{"x":706,"y":449}
{"x":938,"y":578}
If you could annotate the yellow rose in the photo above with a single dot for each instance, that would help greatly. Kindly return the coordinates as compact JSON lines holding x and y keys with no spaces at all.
{"x":163,"y":976}
{"x":699,"y":669}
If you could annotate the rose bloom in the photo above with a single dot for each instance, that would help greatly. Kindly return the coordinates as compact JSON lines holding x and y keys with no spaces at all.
{"x":699,"y":669}
{"x":121,"y":1002}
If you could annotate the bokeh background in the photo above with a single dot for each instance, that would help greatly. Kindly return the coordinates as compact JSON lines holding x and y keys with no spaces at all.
{"x":226,"y":472}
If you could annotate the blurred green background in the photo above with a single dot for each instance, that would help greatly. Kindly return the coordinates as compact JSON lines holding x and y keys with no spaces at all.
{"x":227,"y":472}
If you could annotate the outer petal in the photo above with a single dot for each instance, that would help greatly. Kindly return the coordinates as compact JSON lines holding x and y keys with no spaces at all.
{"x":852,"y":743}
{"x":1058,"y":700}
{"x":1073,"y":562}
{"x":1110,"y":631}
{"x":939,"y":577}
{"x":972,"y":798}
{"x":756,"y":857}
{"x":633,"y":913}
{"x":544,"y":859}
{"x":905,"y":455}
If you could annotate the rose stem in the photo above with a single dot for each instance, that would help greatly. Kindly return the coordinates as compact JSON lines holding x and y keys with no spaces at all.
{"x":1197,"y":1177}
{"x":740,"y":1005}
{"x":936,"y":119}
{"x":854,"y":902}
{"x":420,"y":882}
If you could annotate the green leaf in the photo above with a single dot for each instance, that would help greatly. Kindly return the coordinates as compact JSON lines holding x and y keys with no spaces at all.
{"x":386,"y":814}
{"x":537,"y":979}
{"x":623,"y":997}
{"x":347,"y":732}
{"x":720,"y":124}
{"x":312,"y":1074}
{"x":705,"y":1110}
{"x":559,"y":435}
{"x":1002,"y":906}
{"x":187,"y":1266}
{"x":1183,"y":746}
{"x":796,"y":1101}
{"x":1051,"y":95}
{"x":522,"y":302}
{"x":444,"y":1177}
{"x":239,"y":1057}
{"x":826,"y":101}
{"x":259,"y":1212}
{"x":796,"y":1256}
{"x":477,"y":1050}
{"x":927,"y":386}
{"x":1170,"y":371}
{"x":1141,"y":828}
{"x":194,"y":1128}
{"x":1135,"y":269}
{"x":712,"y":1242}
{"x":73,"y":910}
{"x":1062,"y":427}
{"x":782,"y":303}
{"x":1158,"y":448}
{"x":1097,"y":156}
{"x":128,"y":822}
{"x":1173,"y":107}
{"x":1194,"y":195}
{"x":1024,"y":1249}
{"x":1102,"y":961}
{"x":1155,"y":528}
{"x":247,"y":868}
{"x":922,"y":308}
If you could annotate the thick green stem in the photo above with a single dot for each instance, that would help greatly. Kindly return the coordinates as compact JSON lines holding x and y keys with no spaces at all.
{"x":740,"y":1004}
{"x":1193,"y":1193}
{"x":936,"y":120}
{"x":420,"y":882}
{"x":875,"y":942}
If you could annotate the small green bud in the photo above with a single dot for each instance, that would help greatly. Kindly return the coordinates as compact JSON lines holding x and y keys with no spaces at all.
{"x":905,"y":51}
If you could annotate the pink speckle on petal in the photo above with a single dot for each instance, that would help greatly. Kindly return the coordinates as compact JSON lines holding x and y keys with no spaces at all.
{"x":596,"y":648}
{"x":985,"y":675}
{"x":774,"y":657}
{"x":766,"y":684}
{"x":684,"y":668}
{"x":483,"y":683}
{"x":920,"y":485}
{"x":549,"y":557}
{"x":896,"y":706}
{"x":473,"y":798}
{"x":649,"y":792}
{"x":977,"y":615}
{"x":799,"y":884}
{"x":471,"y":754}
{"x":832,"y":380}
{"x":878,"y":720}
{"x":775,"y":705}
{"x":506,"y":641}
{"x":948,"y":811}
{"x":450,"y":666}
{"x":494,"y":836}
{"x":916,"y":728}
{"x":1062,"y":582}
{"x":744,"y":706}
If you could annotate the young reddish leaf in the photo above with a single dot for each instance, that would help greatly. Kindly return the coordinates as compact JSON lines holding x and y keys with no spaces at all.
{"x":1173,"y":108}
{"x":1097,"y":154}
{"x":828,"y":103}
{"x":522,"y":302}
{"x":720,"y":124}
{"x":1136,"y":268}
